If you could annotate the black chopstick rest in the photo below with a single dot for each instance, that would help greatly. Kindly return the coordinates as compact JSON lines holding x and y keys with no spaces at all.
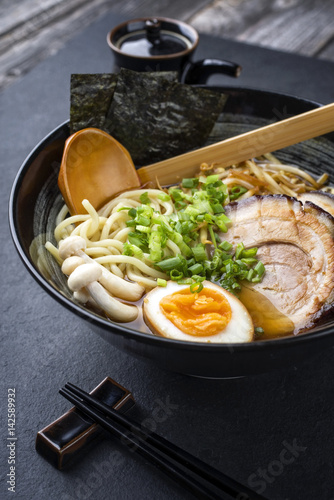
{"x":67,"y":436}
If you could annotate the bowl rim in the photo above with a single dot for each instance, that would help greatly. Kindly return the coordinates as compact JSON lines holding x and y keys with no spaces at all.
{"x":121,"y":328}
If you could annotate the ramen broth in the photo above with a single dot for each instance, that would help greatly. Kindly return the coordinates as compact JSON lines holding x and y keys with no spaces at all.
{"x":265,"y":315}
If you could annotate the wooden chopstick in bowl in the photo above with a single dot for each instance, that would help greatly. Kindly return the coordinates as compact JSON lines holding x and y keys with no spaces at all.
{"x":203,"y":481}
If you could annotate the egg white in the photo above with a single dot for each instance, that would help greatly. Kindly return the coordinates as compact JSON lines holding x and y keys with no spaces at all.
{"x":239,"y":329}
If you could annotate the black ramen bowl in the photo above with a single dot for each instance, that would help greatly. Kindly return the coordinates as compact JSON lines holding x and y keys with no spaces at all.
{"x":35,"y":201}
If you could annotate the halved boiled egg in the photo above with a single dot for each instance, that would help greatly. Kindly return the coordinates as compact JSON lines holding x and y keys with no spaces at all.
{"x":211,"y":315}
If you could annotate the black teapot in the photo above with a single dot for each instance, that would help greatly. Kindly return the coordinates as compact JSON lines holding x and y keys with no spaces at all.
{"x":162,"y":44}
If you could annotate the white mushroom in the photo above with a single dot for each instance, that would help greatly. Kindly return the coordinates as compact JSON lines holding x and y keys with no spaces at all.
{"x":84,"y":297}
{"x":68,"y":267}
{"x":71,"y":263}
{"x":85,"y":277}
{"x":116,"y":310}
{"x":72,"y":245}
{"x":75,"y":245}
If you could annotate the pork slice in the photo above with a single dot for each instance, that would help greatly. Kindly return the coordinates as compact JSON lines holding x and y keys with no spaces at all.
{"x":296,"y":245}
{"x":319,"y":198}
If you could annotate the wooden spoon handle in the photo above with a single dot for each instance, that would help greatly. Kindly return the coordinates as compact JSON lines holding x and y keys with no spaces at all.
{"x":243,"y":147}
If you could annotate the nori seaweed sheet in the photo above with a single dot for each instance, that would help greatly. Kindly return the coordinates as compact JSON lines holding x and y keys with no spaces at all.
{"x":156,"y":119}
{"x":151,"y":114}
{"x":91,"y":95}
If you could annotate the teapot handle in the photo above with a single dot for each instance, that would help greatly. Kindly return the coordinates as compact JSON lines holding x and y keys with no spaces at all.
{"x":198,"y":72}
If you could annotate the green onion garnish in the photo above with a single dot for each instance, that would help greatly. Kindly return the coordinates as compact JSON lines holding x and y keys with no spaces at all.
{"x":143,"y":229}
{"x":144,"y":198}
{"x":199,"y":252}
{"x":259,"y":269}
{"x":190,"y":183}
{"x":237,"y":191}
{"x":169,"y":264}
{"x":258,"y":331}
{"x":212,"y":236}
{"x":163,"y":197}
{"x":239,"y":250}
{"x":132,"y":212}
{"x":211,"y":179}
{"x":225,"y":245}
{"x":196,"y":287}
{"x":195,"y":269}
{"x":198,"y":203}
{"x":176,"y":275}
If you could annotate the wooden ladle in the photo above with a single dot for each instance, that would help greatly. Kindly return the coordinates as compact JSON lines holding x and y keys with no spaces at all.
{"x":95,"y":166}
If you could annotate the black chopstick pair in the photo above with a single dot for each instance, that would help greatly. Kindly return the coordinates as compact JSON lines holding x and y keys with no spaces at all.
{"x":203,"y":481}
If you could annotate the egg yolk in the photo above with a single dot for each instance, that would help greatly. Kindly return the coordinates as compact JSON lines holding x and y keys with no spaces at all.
{"x":199,"y":314}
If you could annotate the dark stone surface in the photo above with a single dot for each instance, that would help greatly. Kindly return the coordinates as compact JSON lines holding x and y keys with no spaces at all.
{"x":240,"y":426}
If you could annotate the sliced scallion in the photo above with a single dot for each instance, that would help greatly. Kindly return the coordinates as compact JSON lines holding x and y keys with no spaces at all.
{"x":199,"y":252}
{"x":195,"y":269}
{"x":196,"y":287}
{"x":190,"y":183}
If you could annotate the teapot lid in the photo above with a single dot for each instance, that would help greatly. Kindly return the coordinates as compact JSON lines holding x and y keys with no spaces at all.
{"x":153,"y":41}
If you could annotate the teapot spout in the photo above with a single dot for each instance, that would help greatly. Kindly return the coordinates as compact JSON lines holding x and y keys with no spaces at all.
{"x":198,"y":72}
